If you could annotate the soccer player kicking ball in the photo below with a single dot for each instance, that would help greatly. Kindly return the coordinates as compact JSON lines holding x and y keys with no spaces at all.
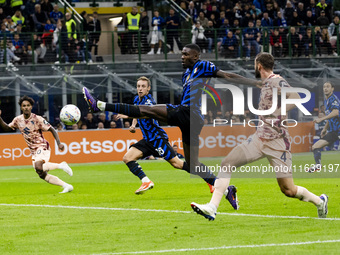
{"x":31,"y":127}
{"x":332,"y":127}
{"x":187,"y":116}
{"x":268,"y":141}
{"x":155,"y":140}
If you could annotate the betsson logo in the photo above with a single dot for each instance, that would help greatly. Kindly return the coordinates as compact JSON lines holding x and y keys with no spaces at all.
{"x":94,"y":147}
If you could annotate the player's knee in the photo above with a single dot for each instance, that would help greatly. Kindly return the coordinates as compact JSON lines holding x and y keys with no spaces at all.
{"x":314,"y":147}
{"x":126,"y":159}
{"x":39,"y":169}
{"x":178,"y":165}
{"x":38,"y":166}
{"x":288,"y":192}
{"x":226,"y":163}
{"x":42,"y":174}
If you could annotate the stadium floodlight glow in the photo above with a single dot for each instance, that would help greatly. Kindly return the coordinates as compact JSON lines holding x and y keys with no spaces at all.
{"x":115,"y":20}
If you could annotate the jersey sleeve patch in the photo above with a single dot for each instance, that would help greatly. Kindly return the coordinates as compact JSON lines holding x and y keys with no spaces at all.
{"x":283,"y":84}
{"x":44,"y":124}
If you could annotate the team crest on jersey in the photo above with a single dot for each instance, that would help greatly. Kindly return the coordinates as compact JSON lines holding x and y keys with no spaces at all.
{"x":148,"y":102}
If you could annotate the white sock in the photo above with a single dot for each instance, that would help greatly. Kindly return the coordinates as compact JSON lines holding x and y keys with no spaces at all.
{"x":145,"y":179}
{"x":101,"y":105}
{"x":221,"y":184}
{"x":54,"y":180}
{"x":65,"y":185}
{"x":213,"y":207}
{"x":50,"y":166}
{"x":304,"y":195}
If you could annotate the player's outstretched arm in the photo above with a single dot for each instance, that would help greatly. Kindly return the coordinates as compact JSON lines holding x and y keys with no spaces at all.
{"x":235,"y":78}
{"x":4,"y":125}
{"x":334,"y":113}
{"x":56,"y":137}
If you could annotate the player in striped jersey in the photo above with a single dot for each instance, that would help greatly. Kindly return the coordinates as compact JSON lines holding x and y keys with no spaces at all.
{"x":155,"y":140}
{"x":187,"y":115}
{"x":31,"y":126}
{"x":330,"y":133}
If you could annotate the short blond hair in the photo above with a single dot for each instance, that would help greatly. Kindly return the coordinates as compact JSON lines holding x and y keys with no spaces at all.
{"x":143,"y":78}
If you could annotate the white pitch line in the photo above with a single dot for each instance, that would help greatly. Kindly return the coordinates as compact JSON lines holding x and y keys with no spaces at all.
{"x":11,"y":179}
{"x":222,"y":247}
{"x":164,"y":211}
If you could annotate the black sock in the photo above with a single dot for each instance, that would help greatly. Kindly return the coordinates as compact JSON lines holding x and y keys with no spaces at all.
{"x":317,"y":156}
{"x":205,"y":173}
{"x":186,"y":167}
{"x":136,"y":169}
{"x":127,"y":109}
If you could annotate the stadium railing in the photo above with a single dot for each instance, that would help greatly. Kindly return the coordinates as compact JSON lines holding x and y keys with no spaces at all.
{"x":122,"y":46}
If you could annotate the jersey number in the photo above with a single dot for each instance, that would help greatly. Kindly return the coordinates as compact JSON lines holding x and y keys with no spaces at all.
{"x":160,"y":151}
{"x":283,"y":157}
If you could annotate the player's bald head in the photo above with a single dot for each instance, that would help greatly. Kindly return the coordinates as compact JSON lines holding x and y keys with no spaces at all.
{"x":194,"y":47}
{"x":190,"y":55}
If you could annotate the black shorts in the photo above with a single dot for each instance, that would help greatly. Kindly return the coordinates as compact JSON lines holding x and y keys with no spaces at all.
{"x":188,"y":120}
{"x":156,"y":148}
{"x":331,"y":137}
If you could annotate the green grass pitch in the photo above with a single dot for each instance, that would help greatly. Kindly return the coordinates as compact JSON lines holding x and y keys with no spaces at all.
{"x":84,"y":223}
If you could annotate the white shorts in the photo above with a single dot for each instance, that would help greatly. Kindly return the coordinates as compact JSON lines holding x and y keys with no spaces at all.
{"x":41,"y":154}
{"x":275,"y":151}
{"x":156,"y":36}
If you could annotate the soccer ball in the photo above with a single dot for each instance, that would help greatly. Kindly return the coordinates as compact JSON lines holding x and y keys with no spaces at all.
{"x":70,"y":114}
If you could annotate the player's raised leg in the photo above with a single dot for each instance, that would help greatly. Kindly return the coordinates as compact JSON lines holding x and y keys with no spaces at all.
{"x":39,"y":168}
{"x":48,"y":166}
{"x":129,"y":159}
{"x":288,"y":188}
{"x":158,"y":112}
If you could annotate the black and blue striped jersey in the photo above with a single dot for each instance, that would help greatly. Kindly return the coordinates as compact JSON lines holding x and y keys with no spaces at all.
{"x":194,"y":79}
{"x":149,"y":127}
{"x":332,"y":103}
